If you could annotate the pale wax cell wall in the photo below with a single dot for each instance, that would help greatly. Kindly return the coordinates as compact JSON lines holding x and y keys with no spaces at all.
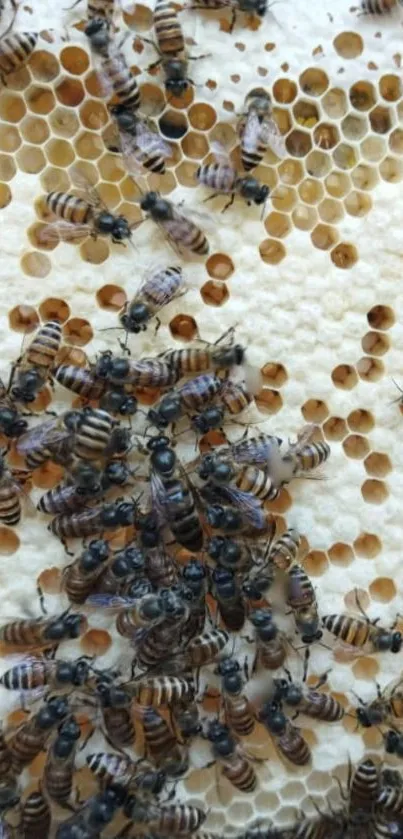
{"x":313,"y":288}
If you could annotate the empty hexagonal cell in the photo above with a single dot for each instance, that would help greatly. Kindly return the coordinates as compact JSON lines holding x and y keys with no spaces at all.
{"x":291,"y":171}
{"x":348,"y":44}
{"x":331,"y":210}
{"x":34,"y":129}
{"x":88,"y":146}
{"x":55,"y":180}
{"x":54,"y":308}
{"x":23,"y":319}
{"x":370,"y":369}
{"x":373,"y":148}
{"x":183,"y":327}
{"x":326,"y":135}
{"x":77,"y":331}
{"x":9,"y":541}
{"x":358,"y":203}
{"x":272,"y":251}
{"x":314,"y":410}
{"x":35,"y":236}
{"x":362,"y":95}
{"x":367,"y":545}
{"x":7,"y":167}
{"x":195,"y":145}
{"x":269,"y":401}
{"x":94,"y":251}
{"x":31,"y":159}
{"x":396,"y":141}
{"x":356,"y":446}
{"x":374,"y":343}
{"x":374,"y":491}
{"x":378,"y":465}
{"x":111,"y":297}
{"x":341,"y":554}
{"x":354,"y":127}
{"x":219,"y":266}
{"x":318,"y":164}
{"x":60,"y":153}
{"x":381,"y":119}
{"x":344,"y":376}
{"x":382,"y":589}
{"x":173,"y":125}
{"x":214,"y":293}
{"x":10,"y":139}
{"x":284,"y":199}
{"x":381,"y":317}
{"x":391,"y":170}
{"x":5,"y":196}
{"x":284,"y":91}
{"x":344,"y":255}
{"x":12,"y":107}
{"x":335,"y":429}
{"x":298,"y":143}
{"x":345,"y":156}
{"x":310,"y":191}
{"x":337,"y":184}
{"x":69,"y":92}
{"x":335,"y":103}
{"x":44,"y":66}
{"x":304,"y":218}
{"x":36,"y":264}
{"x":314,"y":81}
{"x":324,"y":237}
{"x":305,"y":113}
{"x":277,"y":225}
{"x":274,"y":374}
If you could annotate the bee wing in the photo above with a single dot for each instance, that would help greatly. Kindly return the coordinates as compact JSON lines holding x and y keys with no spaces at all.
{"x":110,"y":601}
{"x":80,"y":180}
{"x":62,"y":231}
{"x":249,"y":506}
{"x":272,"y":136}
{"x":44,"y":434}
{"x":158,"y":496}
{"x":150,"y":141}
{"x":251,"y":133}
{"x":221,"y":154}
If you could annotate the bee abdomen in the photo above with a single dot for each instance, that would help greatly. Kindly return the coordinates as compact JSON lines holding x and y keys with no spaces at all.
{"x":236,"y":397}
{"x":350,"y":630}
{"x":80,"y":381}
{"x":15,"y":50}
{"x":123,"y":81}
{"x":119,"y":726}
{"x":36,"y":816}
{"x":44,"y":347}
{"x":10,"y":507}
{"x":69,"y":207}
{"x":241,"y":774}
{"x":217,"y":176}
{"x":167,"y":28}
{"x":93,"y":435}
{"x":254,"y":480}
{"x":197,"y":392}
{"x":25,"y":677}
{"x":60,"y":499}
{"x":377,"y":7}
{"x":322,"y":707}
{"x":239,"y":715}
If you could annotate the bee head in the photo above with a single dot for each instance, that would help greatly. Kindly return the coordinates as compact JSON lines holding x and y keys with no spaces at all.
{"x":136,"y":317}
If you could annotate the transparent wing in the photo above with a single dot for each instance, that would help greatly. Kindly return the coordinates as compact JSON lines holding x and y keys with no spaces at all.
{"x":275,"y":138}
{"x":45,"y":434}
{"x":221,"y":153}
{"x":62,"y":231}
{"x":249,"y":506}
{"x":158,"y":496}
{"x":82,"y":182}
{"x":256,"y":450}
{"x":251,"y":134}
{"x":150,"y":141}
{"x":110,"y":601}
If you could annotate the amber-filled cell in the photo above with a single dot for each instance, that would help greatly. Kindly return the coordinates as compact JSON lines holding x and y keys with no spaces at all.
{"x":269,"y":401}
{"x":277,"y":225}
{"x":381,"y":120}
{"x":381,"y":317}
{"x":40,"y":100}
{"x":335,"y":429}
{"x":138,"y":17}
{"x":202,"y":116}
{"x":374,"y":343}
{"x":382,"y":589}
{"x":344,"y":255}
{"x":88,"y":172}
{"x":284,"y":91}
{"x":331,"y":210}
{"x":326,"y":136}
{"x":23,"y":319}
{"x":214,"y":293}
{"x":5,"y":196}
{"x":374,"y":492}
{"x":314,"y":81}
{"x":373,"y":148}
{"x":12,"y":107}
{"x":89,"y":146}
{"x":94,"y":251}
{"x":358,"y":203}
{"x":324,"y":237}
{"x":335,"y":103}
{"x":60,"y":152}
{"x":195,"y":145}
{"x":111,"y":168}
{"x":314,"y":410}
{"x":367,"y":545}
{"x":337,"y":184}
{"x":354,"y":127}
{"x":173,"y":125}
{"x":111,"y":297}
{"x":50,"y":579}
{"x":390,"y":87}
{"x":370,"y":369}
{"x":183,"y":327}
{"x":93,"y":85}
{"x":95,"y":642}
{"x":391,"y":170}
{"x":47,"y":476}
{"x":31,"y":159}
{"x":366,"y":668}
{"x":283,"y":502}
{"x":345,"y":156}
{"x":54,"y":308}
{"x":274,"y":374}
{"x":305,"y":113}
{"x":361,"y":421}
{"x":341,"y":554}
{"x":272,"y":251}
{"x":70,"y":92}
{"x":36,"y":264}
{"x":348,"y":44}
{"x":356,"y":446}
{"x":344,"y":376}
{"x":44,"y":66}
{"x":304,"y":218}
{"x":310,"y":191}
{"x":78,"y":332}
{"x":291,"y":172}
{"x":284,"y":199}
{"x":9,"y":541}
{"x":74,"y":60}
{"x":318,"y":164}
{"x":131,"y":212}
{"x":219,"y":266}
{"x":109,"y":194}
{"x":10,"y":139}
{"x":64,"y":122}
{"x":298,"y":143}
{"x":315,"y":563}
{"x":362,"y":95}
{"x":186,"y":173}
{"x":396,"y":141}
{"x":152,"y":99}
{"x":7,"y":167}
{"x":55,"y":180}
{"x":378,"y":465}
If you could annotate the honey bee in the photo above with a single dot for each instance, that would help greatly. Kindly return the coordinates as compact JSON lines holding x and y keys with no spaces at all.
{"x":287,"y":738}
{"x":362,"y":632}
{"x":300,"y":457}
{"x":182,"y":233}
{"x":36,"y":816}
{"x":363,"y":791}
{"x":383,"y":827}
{"x":8,"y":785}
{"x":284,"y":550}
{"x":301,"y":598}
{"x":192,"y":395}
{"x":258,"y":129}
{"x":194,"y":575}
{"x":108,"y":766}
{"x":306,"y":700}
{"x":271,"y":645}
{"x":116,"y":77}
{"x":126,"y":566}
{"x":59,"y":766}
{"x":89,"y":482}
{"x":172,"y":497}
{"x":390,"y":797}
{"x":235,"y":766}
{"x":393,"y":742}
{"x":93,"y":816}
{"x":169,"y":820}
{"x":99,"y":9}
{"x":157,"y":290}
{"x":187,"y":720}
{"x":172,"y":50}
{"x":80,"y":577}
{"x":31,"y":737}
{"x":32,"y":674}
{"x":161,"y":745}
{"x":142,"y":608}
{"x":93,"y":435}
{"x":387,"y":707}
{"x":204,"y":648}
{"x":235,"y":398}
{"x":43,"y":633}
{"x":151,"y":648}
{"x":15,"y":51}
{"x":146,"y":372}
{"x":162,"y":690}
{"x":223,"y":178}
{"x":116,"y":704}
{"x":215,"y":356}
{"x":228,"y":595}
{"x":161,"y":568}
{"x":81,"y":381}
{"x":140,"y":144}
{"x":10,"y":489}
{"x":249,"y":7}
{"x":12,"y":424}
{"x":96,"y":519}
{"x":224,"y":517}
{"x":50,"y":440}
{"x":32,"y":369}
{"x":239,"y":713}
{"x":263,"y":450}
{"x":378,"y":7}
{"x":246,"y":487}
{"x":230,"y":553}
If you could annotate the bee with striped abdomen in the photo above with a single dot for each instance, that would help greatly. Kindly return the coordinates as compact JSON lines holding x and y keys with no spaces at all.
{"x":194,"y":575}
{"x":43,"y":633}
{"x":386,"y":708}
{"x":271,"y":644}
{"x":239,"y":713}
{"x":15,"y":50}
{"x":157,"y":289}
{"x":287,"y":738}
{"x":223,"y":178}
{"x":307,"y":700}
{"x":36,"y":816}
{"x":222,"y":469}
{"x":55,"y":674}
{"x":12,"y":423}
{"x":363,"y":633}
{"x":166,"y":820}
{"x":209,"y":357}
{"x":301,"y":598}
{"x":60,"y":760}
{"x":32,"y":369}
{"x":235,"y":765}
{"x":127,"y":565}
{"x":50,"y":440}
{"x":87,"y":481}
{"x":91,"y":819}
{"x":10,"y":490}
{"x":141,"y":608}
{"x":31,"y":737}
{"x":192,"y":395}
{"x":284,"y":551}
{"x":363,"y":793}
{"x":171,"y":47}
{"x":186,"y":717}
{"x":161,"y":745}
{"x":248,"y":7}
{"x":393,"y":742}
{"x":378,"y":7}
{"x":99,"y":10}
{"x":228,"y":595}
{"x":204,"y":649}
{"x":80,"y":578}
{"x":94,"y":520}
{"x":81,"y":381}
{"x":8,"y":783}
{"x":139,"y":142}
{"x":162,"y":690}
{"x":93,"y":437}
{"x":115,"y":76}
{"x":300,"y":458}
{"x":390,"y":796}
{"x":172,"y":495}
{"x":258,"y":129}
{"x":182,"y":233}
{"x":146,"y":372}
{"x":115,"y":703}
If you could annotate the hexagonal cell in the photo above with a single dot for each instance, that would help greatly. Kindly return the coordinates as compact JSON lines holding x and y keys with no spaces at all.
{"x":173,"y":125}
{"x":34,"y":129}
{"x":390,"y":87}
{"x":344,"y":255}
{"x":324,"y":237}
{"x":377,"y":464}
{"x":7,"y":167}
{"x":314,"y":81}
{"x":358,"y":204}
{"x":40,"y":100}
{"x":315,"y":411}
{"x":298,"y":143}
{"x":367,"y":545}
{"x":396,"y":141}
{"x":318,"y":164}
{"x":12,"y":107}
{"x":326,"y":135}
{"x":345,"y":156}
{"x":331,"y":210}
{"x":64,"y":122}
{"x":94,"y":251}
{"x":219,"y":266}
{"x":138,"y":17}
{"x":5,"y":196}
{"x":356,"y":446}
{"x":9,"y":541}
{"x":110,"y":195}
{"x":55,"y":180}
{"x":348,"y":44}
{"x":272,"y":251}
{"x":54,"y":308}
{"x":10,"y":139}
{"x":304,"y":218}
{"x":277,"y":225}
{"x":93,"y":114}
{"x":284,"y":199}
{"x":31,"y":159}
{"x":361,"y":421}
{"x":374,"y":343}
{"x":341,"y":554}
{"x":354,"y":127}
{"x":362,"y":95}
{"x":195,"y":145}
{"x":335,"y":103}
{"x":183,"y":328}
{"x":365,"y":668}
{"x":315,"y":563}
{"x":69,"y":92}
{"x":111,"y":297}
{"x":291,"y":171}
{"x":335,"y":429}
{"x":95,"y":642}
{"x":381,"y":119}
{"x":72,"y":355}
{"x":44,"y":66}
{"x":88,"y":146}
{"x":274,"y":374}
{"x":337,"y":184}
{"x":305,"y":113}
{"x":202,"y":116}
{"x":60,"y":153}
{"x":310,"y":191}
{"x":36,"y":264}
{"x":344,"y":377}
{"x":284,"y":91}
{"x":373,"y":149}
{"x":78,"y":332}
{"x":391,"y":170}
{"x":374,"y":492}
{"x":23,"y":319}
{"x":381,"y":317}
{"x":35,"y":236}
{"x":214,"y":293}
{"x":370,"y":369}
{"x":382,"y":589}
{"x":74,"y":60}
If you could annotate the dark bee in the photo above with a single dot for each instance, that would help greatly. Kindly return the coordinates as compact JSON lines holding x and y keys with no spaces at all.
{"x":172,"y":498}
{"x":362,"y":632}
{"x":8,"y":783}
{"x":33,"y":673}
{"x":230,"y":553}
{"x":117,"y":401}
{"x":182,"y":233}
{"x":249,"y":7}
{"x":235,"y":398}
{"x":225,"y":472}
{"x":187,"y":720}
{"x":31,"y":737}
{"x":145,"y":372}
{"x":115,"y":704}
{"x":161,"y":568}
{"x":390,"y":797}
{"x":225,"y":518}
{"x":271,"y":645}
{"x":152,"y":646}
{"x":235,"y":766}
{"x":228,"y":595}
{"x":193,"y":395}
{"x":223,"y":178}
{"x":393,"y":742}
{"x":12,"y":424}
{"x":209,"y":357}
{"x":162,"y":690}
{"x":93,"y":520}
{"x":156,"y":291}
{"x":80,"y":577}
{"x":127,"y":566}
{"x":287,"y":738}
{"x":108,"y":766}
{"x":50,"y":440}
{"x":41,"y":633}
{"x":88,"y":483}
{"x":140,"y":145}
{"x":15,"y":51}
{"x":263,"y":450}
{"x":96,"y":813}
{"x":258,"y":129}
{"x":306,"y":700}
{"x":363,"y":791}
{"x":239,"y":713}
{"x":81,"y":381}
{"x":32,"y":369}
{"x":142,"y":607}
{"x":383,"y":827}
{"x":168,"y":820}
{"x":161,"y":745}
{"x":59,"y":766}
{"x":300,"y":596}
{"x":194,"y":575}
{"x":116,"y":76}
{"x":36,"y":816}
{"x":10,"y":504}
{"x":202,"y":649}
{"x":387,"y":707}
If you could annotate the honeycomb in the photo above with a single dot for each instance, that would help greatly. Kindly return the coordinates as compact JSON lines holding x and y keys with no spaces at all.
{"x":312,"y":289}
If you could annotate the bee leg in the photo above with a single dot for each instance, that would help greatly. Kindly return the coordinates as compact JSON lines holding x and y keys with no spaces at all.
{"x":233,"y":21}
{"x":158,"y":324}
{"x":41,"y":600}
{"x":154,"y":65}
{"x":214,"y":195}
{"x":230,"y":202}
